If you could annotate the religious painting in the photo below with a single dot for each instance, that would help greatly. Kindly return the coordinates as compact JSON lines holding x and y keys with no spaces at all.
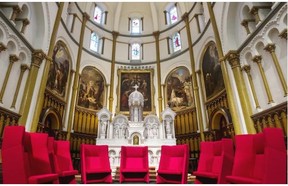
{"x":212,"y":74}
{"x":59,"y":70}
{"x":179,"y":91}
{"x":91,"y":89}
{"x":126,"y":85}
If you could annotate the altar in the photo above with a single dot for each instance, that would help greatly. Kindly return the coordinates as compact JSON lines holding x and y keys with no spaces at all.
{"x":135,"y":130}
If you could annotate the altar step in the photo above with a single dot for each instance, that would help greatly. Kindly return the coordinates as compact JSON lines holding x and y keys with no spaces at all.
{"x":152,"y":174}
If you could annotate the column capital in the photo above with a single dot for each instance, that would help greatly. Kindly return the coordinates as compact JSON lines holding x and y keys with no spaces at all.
{"x":283,"y":34}
{"x":26,"y":22}
{"x":115,"y":34}
{"x":156,"y":34}
{"x":185,"y":16}
{"x":85,"y":16}
{"x":244,"y":22}
{"x":246,"y":68}
{"x":37,"y":57}
{"x":233,"y":57}
{"x":2,"y":47}
{"x":17,"y":9}
{"x":24,"y":67}
{"x":13,"y":58}
{"x":254,"y":10}
{"x":270,"y":47}
{"x":257,"y":59}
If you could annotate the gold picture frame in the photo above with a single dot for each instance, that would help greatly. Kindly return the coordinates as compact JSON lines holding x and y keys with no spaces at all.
{"x":127,"y":79}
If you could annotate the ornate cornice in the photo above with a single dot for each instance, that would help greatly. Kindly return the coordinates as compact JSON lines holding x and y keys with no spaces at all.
{"x":37,"y":57}
{"x":233,"y":57}
{"x":257,"y":59}
{"x":13,"y":58}
{"x":270,"y":47}
{"x":246,"y":68}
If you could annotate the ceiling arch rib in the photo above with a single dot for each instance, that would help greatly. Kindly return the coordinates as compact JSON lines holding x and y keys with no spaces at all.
{"x":154,"y":16}
{"x":117,"y":16}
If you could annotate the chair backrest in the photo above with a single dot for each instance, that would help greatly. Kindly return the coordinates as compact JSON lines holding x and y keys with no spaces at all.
{"x":275,"y":157}
{"x":206,"y":156}
{"x":95,"y":156}
{"x":50,"y":145}
{"x":244,"y":156}
{"x":176,"y":158}
{"x":36,"y":145}
{"x":134,"y":157}
{"x":14,"y":163}
{"x":62,"y":156}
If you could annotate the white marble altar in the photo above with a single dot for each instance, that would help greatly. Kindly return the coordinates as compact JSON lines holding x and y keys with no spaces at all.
{"x":136,"y":131}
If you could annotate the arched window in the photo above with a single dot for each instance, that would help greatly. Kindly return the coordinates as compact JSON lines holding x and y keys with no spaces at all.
{"x":98,"y":15}
{"x":173,"y":16}
{"x":176,"y":42}
{"x":135,"y":51}
{"x":94,"y":42}
{"x":135,"y":26}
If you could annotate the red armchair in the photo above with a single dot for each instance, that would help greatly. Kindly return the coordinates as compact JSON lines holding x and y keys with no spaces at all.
{"x":173,"y":166}
{"x":216,"y":161}
{"x":61,"y":162}
{"x":260,"y":158}
{"x":95,"y":165}
{"x":25,"y":157}
{"x":134,"y":164}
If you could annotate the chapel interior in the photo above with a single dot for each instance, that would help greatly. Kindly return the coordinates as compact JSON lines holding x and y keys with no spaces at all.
{"x":148,"y":92}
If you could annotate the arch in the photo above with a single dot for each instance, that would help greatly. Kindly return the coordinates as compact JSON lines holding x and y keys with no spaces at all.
{"x":51,"y":121}
{"x":2,"y":36}
{"x":11,"y":47}
{"x":216,"y":115}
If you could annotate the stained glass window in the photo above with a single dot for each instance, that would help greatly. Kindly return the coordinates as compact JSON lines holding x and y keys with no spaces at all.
{"x":173,"y":15}
{"x":135,"y":54}
{"x":98,"y":15}
{"x":176,"y":42}
{"x":135,"y":26}
{"x":94,"y":43}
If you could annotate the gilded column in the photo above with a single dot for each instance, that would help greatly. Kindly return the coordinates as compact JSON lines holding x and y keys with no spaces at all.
{"x":245,"y":24}
{"x":2,"y":47}
{"x":247,"y":69}
{"x":37,"y":58}
{"x":233,"y":58}
{"x":156,"y":35}
{"x":115,"y":35}
{"x":24,"y":67}
{"x":257,"y":59}
{"x":194,"y":77}
{"x":76,"y":76}
{"x":232,"y":104}
{"x":12,"y":58}
{"x":271,"y":49}
{"x":40,"y":97}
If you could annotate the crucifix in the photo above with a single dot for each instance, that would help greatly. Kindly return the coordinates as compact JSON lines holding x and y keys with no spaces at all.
{"x":136,"y":87}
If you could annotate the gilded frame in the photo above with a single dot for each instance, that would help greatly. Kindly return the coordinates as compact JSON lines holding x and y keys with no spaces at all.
{"x":127,"y":78}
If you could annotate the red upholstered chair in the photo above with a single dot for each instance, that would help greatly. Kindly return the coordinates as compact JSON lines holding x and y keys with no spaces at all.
{"x":25,"y":157}
{"x":61,"y":162}
{"x":173,"y":166}
{"x":216,"y":161}
{"x":95,"y":165}
{"x":36,"y":145}
{"x":134,"y":164}
{"x":260,"y":158}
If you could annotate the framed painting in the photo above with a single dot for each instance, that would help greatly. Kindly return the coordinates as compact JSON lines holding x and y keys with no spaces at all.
{"x":127,"y":79}
{"x":212,"y":73}
{"x":91,"y":89}
{"x":179,"y":90}
{"x":59,"y":70}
